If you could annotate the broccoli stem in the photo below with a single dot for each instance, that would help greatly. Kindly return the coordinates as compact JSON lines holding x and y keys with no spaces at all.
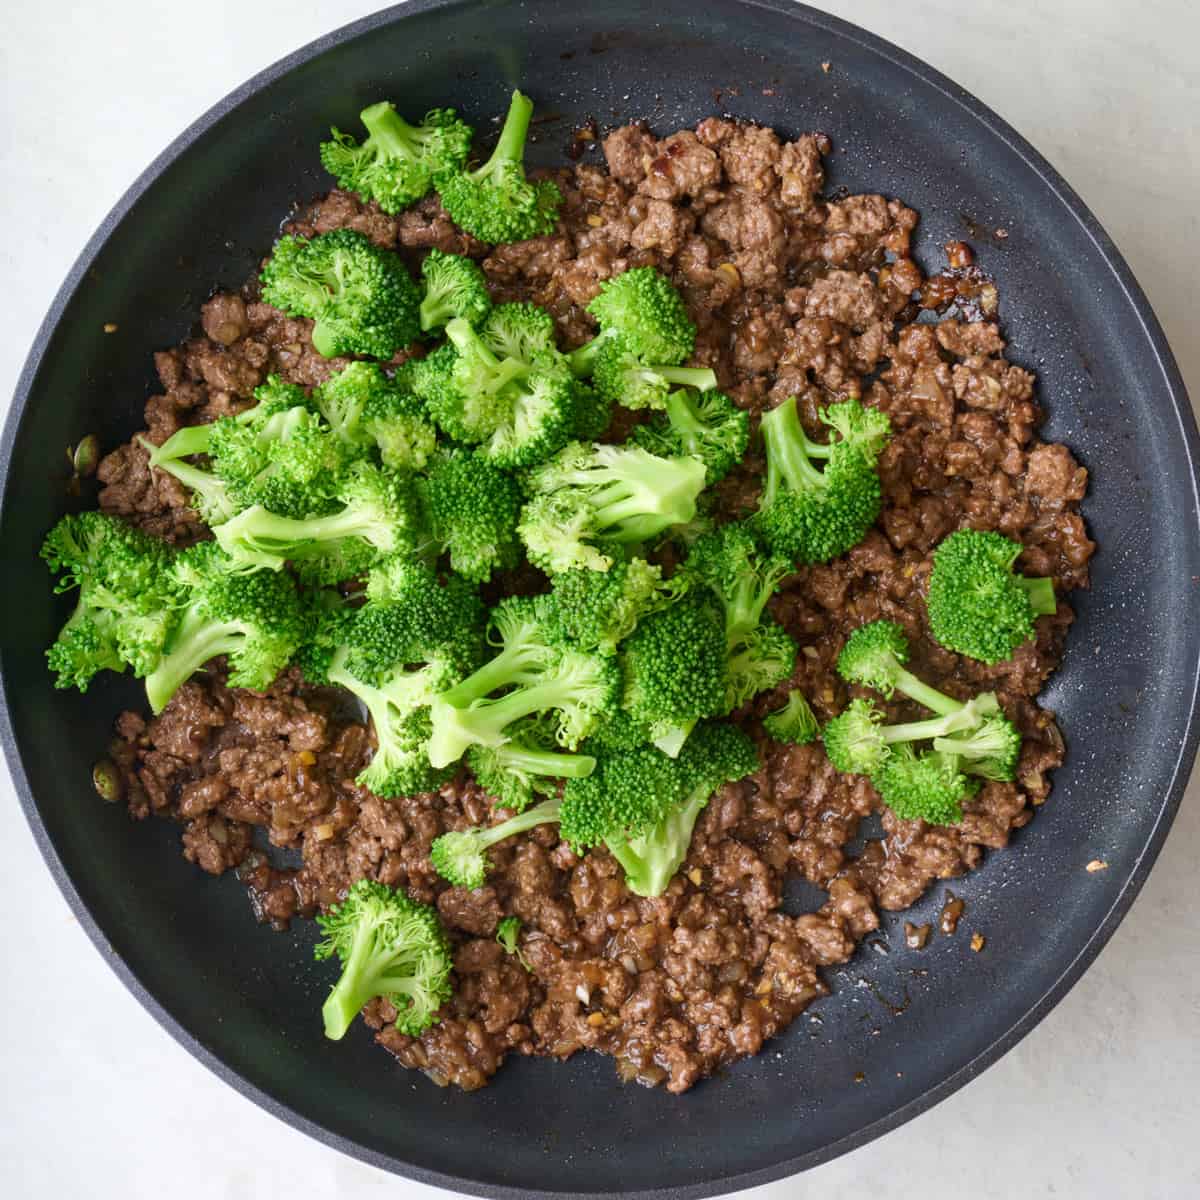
{"x":365,"y":974}
{"x":295,"y":538}
{"x":547,"y":762}
{"x":455,"y":729}
{"x":965,"y":716}
{"x":651,"y":861}
{"x":922,"y":693}
{"x":195,"y":642}
{"x":539,"y":814}
{"x":324,"y":340}
{"x":787,"y":452}
{"x":511,"y":146}
{"x":703,"y":379}
{"x":582,"y":360}
{"x":671,"y":742}
{"x":390,"y":129}
{"x":192,"y":439}
{"x":1041,"y":595}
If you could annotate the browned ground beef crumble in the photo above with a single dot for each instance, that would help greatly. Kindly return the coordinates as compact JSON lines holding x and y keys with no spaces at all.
{"x":792,"y":294}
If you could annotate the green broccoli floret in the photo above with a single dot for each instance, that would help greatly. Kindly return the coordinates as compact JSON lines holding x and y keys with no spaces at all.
{"x":530,"y":765}
{"x":643,"y":806}
{"x":597,"y":609}
{"x":729,"y":562}
{"x":212,"y":497}
{"x":926,"y":787}
{"x":520,"y":331}
{"x":389,"y":946}
{"x":361,"y":298}
{"x":366,"y":409}
{"x":126,"y":606}
{"x":858,"y":742}
{"x":396,"y":164}
{"x":970,"y":738}
{"x":415,"y":636}
{"x":675,"y":670}
{"x":496,"y":202}
{"x":278,"y":454}
{"x":377,"y":517}
{"x":811,"y":515}
{"x":628,"y":380}
{"x":644,"y":308}
{"x":619,"y":731}
{"x":795,"y":722}
{"x":255,"y":619}
{"x":411,"y":609}
{"x":399,"y":714}
{"x":508,"y":932}
{"x":707,"y":425}
{"x":534,"y":675}
{"x":977,"y":606}
{"x":597,"y":493}
{"x":460,"y":856}
{"x":519,"y":410}
{"x":591,"y":413}
{"x":472,"y":509}
{"x":455,"y":286}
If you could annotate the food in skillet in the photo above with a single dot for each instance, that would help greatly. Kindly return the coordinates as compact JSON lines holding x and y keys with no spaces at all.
{"x":548,"y":567}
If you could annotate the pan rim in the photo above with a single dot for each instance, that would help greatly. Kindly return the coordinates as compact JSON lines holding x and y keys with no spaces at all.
{"x":1172,"y":383}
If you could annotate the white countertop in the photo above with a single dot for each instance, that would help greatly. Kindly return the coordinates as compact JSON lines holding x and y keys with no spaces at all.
{"x":1098,"y":1102}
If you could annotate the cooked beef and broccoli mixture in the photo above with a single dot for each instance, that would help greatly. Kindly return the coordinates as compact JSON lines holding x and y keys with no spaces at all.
{"x":530,"y":573}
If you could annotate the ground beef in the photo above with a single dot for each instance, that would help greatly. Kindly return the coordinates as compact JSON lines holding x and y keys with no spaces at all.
{"x":791,"y":294}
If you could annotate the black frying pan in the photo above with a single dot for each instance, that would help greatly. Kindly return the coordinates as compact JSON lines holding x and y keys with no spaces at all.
{"x":245,"y":1000}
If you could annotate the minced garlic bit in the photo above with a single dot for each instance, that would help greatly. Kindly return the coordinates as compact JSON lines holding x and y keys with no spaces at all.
{"x":977,"y":942}
{"x":110,"y":327}
{"x":695,"y":876}
{"x":1097,"y":864}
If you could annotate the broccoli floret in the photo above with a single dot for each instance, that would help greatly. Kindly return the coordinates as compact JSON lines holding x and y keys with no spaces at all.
{"x":519,"y":771}
{"x":707,"y":425}
{"x":212,"y":497}
{"x":858,"y":742}
{"x":327,"y":618}
{"x":455,"y":286}
{"x":496,"y":202}
{"x":126,"y":606}
{"x":472,"y":509}
{"x":795,"y":722}
{"x":389,"y":946}
{"x":366,"y":409}
{"x":534,"y":675}
{"x":361,"y":298}
{"x":508,"y":932}
{"x":643,"y":806}
{"x":598,"y":493}
{"x":396,"y":164}
{"x":628,"y":380}
{"x":377,"y":517}
{"x":620,"y":731}
{"x":811,"y":515}
{"x":519,"y":410}
{"x":644,"y":308}
{"x":598,"y":609}
{"x":255,"y":619}
{"x":927,"y":787}
{"x":728,"y":561}
{"x":523,"y":332}
{"x":414,"y":637}
{"x":970,"y":738}
{"x":591,"y":413}
{"x":460,"y":856}
{"x":675,"y":670}
{"x":977,"y":606}
{"x":278,"y":454}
